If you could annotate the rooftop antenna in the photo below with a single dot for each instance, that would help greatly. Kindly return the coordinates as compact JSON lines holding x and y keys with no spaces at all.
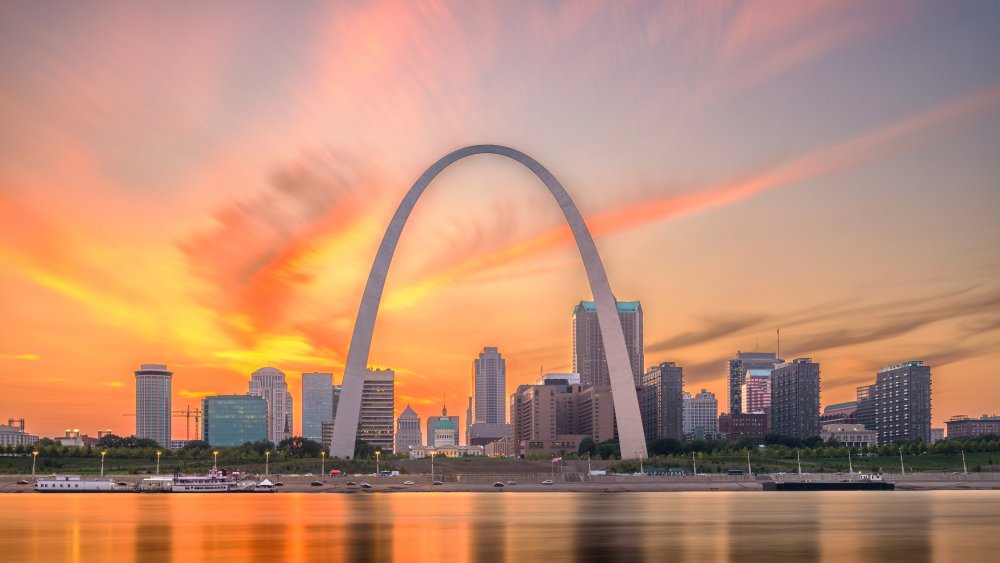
{"x":778,"y":353}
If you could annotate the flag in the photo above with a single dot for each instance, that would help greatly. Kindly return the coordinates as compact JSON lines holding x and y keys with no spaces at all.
{"x":556,"y":459}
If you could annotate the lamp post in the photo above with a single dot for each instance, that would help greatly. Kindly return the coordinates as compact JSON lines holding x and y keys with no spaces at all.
{"x":378,"y":467}
{"x":850,"y":464}
{"x":694,"y":464}
{"x":432,"y":467}
{"x":34,"y":457}
{"x":749,"y":469}
{"x":103,"y":453}
{"x":267,"y":459}
{"x":799,"y":461}
{"x":158,"y":462}
{"x":323,"y":466}
{"x":902,"y":468}
{"x":965,"y":468}
{"x":215,"y":463}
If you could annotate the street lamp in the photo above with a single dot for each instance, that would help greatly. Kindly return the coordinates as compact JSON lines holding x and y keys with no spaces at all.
{"x":267,"y":458}
{"x":158,"y":462}
{"x":216,"y":462}
{"x":378,"y":469}
{"x":323,"y":466}
{"x":432,"y":467}
{"x":103,"y":453}
{"x":34,"y":456}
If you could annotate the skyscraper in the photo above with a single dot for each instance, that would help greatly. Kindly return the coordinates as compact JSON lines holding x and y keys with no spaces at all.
{"x":378,"y":402}
{"x":270,"y":384}
{"x":756,"y":392}
{"x":317,"y":403}
{"x":903,"y":402}
{"x":795,"y":389}
{"x":231,"y":420}
{"x":489,"y":384}
{"x":152,"y":403}
{"x":701,"y":414}
{"x":661,"y":401}
{"x":589,"y":359}
{"x":408,"y":431}
{"x":744,"y":364}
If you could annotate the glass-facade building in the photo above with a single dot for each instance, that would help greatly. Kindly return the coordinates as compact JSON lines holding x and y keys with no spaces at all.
{"x":231,"y":420}
{"x":152,"y":403}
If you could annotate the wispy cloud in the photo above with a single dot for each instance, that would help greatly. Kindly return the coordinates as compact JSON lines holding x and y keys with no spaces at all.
{"x":28,"y":357}
{"x":113,"y":383}
{"x":196,"y":394}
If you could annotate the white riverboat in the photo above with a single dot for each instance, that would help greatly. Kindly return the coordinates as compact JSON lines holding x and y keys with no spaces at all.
{"x":72,"y":484}
{"x":215,"y":482}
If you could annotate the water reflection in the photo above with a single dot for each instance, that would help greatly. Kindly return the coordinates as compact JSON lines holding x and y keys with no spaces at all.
{"x":507,"y":526}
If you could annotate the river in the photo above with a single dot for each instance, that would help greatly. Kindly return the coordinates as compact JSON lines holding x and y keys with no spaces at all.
{"x":503,"y":526}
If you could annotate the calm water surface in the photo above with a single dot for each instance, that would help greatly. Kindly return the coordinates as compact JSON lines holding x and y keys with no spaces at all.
{"x":712,"y":526}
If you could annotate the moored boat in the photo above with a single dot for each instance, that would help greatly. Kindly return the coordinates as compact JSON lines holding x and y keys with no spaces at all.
{"x":72,"y":484}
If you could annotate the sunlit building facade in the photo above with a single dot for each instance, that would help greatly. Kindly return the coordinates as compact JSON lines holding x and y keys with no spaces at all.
{"x":270,"y":384}
{"x":152,"y":403}
{"x":317,"y":403}
{"x":376,"y":424}
{"x":589,"y":359}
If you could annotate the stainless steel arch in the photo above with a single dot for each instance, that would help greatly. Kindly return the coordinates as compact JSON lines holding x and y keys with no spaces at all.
{"x":620,"y":369}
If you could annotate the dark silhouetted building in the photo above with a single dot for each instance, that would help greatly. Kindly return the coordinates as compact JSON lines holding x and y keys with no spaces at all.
{"x":962,"y":426}
{"x":903,"y":402}
{"x":743,"y":425}
{"x":661,"y":402}
{"x":795,"y":399}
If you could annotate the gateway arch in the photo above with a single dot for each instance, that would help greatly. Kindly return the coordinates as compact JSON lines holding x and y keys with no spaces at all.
{"x":623,"y":391}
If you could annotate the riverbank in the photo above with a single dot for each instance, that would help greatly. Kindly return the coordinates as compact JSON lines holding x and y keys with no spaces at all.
{"x":533,"y":483}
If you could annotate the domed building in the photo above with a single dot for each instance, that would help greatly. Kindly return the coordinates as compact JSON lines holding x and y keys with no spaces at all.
{"x":444,"y":441}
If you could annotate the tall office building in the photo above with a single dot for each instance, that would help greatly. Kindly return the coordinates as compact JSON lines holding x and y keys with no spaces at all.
{"x":231,"y":420}
{"x":152,"y":403}
{"x":661,"y":401}
{"x":317,"y":403}
{"x":589,"y":359}
{"x":743,"y":365}
{"x":378,"y":402}
{"x":336,"y":400}
{"x":408,"y":431}
{"x":270,"y":384}
{"x":903,"y":402}
{"x":701,"y":414}
{"x":489,"y":384}
{"x":795,"y":390}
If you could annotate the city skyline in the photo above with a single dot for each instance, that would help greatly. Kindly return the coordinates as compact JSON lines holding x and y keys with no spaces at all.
{"x":825,"y":169}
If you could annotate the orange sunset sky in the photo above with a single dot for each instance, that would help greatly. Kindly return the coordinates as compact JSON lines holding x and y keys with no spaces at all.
{"x":205,"y":184}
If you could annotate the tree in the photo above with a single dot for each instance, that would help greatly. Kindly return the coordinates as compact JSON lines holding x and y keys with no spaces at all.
{"x":363,"y":449}
{"x":665,"y":446}
{"x":196,"y":445}
{"x":587,"y":446}
{"x":297,"y":446}
{"x":609,"y":449}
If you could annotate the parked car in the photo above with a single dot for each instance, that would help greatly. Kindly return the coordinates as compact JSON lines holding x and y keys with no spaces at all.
{"x":511,"y":482}
{"x":317,"y":483}
{"x":409,"y":483}
{"x":22,"y":482}
{"x":498,"y":484}
{"x":308,"y":475}
{"x":548,"y":482}
{"x":438,"y":483}
{"x":351,"y":483}
{"x":279,"y":484}
{"x":365,"y":486}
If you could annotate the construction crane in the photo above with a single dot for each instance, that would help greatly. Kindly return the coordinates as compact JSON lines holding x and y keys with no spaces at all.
{"x":188,"y":413}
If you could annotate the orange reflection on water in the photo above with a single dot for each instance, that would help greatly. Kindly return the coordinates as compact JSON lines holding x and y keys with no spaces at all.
{"x":502,"y":526}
